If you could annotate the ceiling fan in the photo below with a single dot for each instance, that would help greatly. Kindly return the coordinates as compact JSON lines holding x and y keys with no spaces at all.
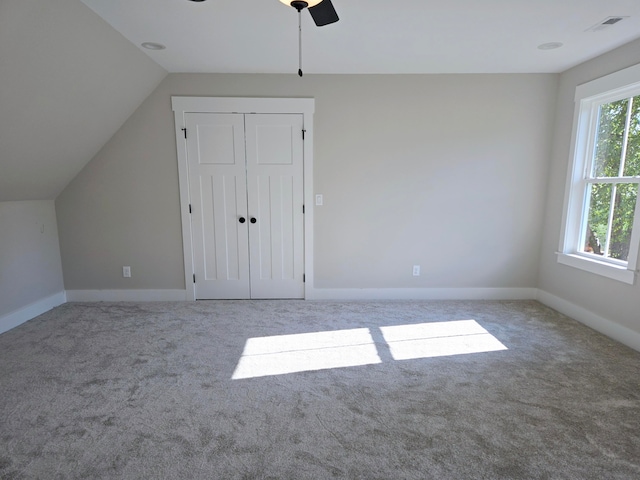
{"x":321,"y":11}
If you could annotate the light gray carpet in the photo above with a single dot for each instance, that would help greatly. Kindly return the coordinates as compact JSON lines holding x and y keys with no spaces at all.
{"x":131,"y":391}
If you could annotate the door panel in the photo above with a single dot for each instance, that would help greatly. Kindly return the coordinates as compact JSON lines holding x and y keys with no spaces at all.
{"x":217,"y":177}
{"x":274,"y":153}
{"x":246,"y":166}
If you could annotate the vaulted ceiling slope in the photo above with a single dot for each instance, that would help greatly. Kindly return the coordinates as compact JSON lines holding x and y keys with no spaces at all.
{"x":68,"y":81}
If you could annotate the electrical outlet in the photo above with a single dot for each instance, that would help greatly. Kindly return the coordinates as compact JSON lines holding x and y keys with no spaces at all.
{"x":126,"y":272}
{"x":319,"y":200}
{"x":416,"y":270}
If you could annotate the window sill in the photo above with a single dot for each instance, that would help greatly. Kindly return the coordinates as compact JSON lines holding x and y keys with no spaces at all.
{"x":615,"y":272}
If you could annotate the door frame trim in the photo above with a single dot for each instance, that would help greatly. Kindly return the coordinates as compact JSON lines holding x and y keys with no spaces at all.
{"x":183,"y":105}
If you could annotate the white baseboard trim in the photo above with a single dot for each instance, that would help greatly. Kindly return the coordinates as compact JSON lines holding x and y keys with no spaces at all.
{"x":24,"y":314}
{"x":607,"y":327}
{"x":603,"y":325}
{"x":422,"y":294}
{"x":126,"y":295}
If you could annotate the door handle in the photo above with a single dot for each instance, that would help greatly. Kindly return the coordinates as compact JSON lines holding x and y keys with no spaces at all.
{"x":253,"y":220}
{"x":241,"y":220}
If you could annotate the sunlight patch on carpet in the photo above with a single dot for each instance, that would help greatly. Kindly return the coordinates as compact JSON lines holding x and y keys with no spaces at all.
{"x":304,"y":352}
{"x":424,"y":340}
{"x":282,"y":354}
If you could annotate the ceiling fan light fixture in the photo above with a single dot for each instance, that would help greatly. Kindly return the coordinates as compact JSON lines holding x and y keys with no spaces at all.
{"x":309,"y":3}
{"x":321,"y":11}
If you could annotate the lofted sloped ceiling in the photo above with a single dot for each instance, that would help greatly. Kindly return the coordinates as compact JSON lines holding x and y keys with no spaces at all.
{"x":68,"y":81}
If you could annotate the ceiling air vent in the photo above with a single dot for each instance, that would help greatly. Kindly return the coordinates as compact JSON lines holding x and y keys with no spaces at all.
{"x":604,"y":24}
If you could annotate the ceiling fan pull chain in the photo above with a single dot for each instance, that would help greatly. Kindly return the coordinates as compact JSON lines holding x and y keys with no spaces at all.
{"x":300,"y":42}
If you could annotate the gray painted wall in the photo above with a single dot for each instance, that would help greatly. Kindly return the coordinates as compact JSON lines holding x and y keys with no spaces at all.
{"x":445,"y":171}
{"x":30,"y":266}
{"x":68,"y":81}
{"x":610,"y":299}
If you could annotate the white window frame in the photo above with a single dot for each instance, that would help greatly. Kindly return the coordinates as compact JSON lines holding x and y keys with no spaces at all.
{"x":588,"y":98}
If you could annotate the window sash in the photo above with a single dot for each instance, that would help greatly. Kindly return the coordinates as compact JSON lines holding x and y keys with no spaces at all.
{"x":592,"y":108}
{"x":589,"y":98}
{"x":585,"y":224}
{"x":634,"y":179}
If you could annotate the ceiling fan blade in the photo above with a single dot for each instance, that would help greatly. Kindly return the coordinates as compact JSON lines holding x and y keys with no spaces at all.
{"x":323,"y":13}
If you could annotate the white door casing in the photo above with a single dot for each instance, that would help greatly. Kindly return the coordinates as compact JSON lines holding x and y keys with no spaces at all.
{"x":277,"y":267}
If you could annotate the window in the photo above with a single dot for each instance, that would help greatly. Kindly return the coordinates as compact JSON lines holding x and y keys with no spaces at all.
{"x":602,"y":204}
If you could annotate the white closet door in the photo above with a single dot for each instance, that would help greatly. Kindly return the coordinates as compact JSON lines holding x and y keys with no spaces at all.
{"x":246,"y":187}
{"x":274,"y":150}
{"x":217,"y":185}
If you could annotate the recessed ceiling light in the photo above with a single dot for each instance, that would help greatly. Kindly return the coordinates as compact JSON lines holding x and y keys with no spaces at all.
{"x":153,"y":46}
{"x":550,"y":46}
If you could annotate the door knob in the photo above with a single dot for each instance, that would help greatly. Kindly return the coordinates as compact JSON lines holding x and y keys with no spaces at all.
{"x":241,"y":220}
{"x":253,"y":220}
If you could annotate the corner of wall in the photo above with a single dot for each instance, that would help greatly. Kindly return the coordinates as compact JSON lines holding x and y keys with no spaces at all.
{"x":31,"y":282}
{"x":607,"y":327}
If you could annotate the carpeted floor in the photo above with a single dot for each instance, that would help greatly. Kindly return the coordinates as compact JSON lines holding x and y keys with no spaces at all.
{"x":179,"y":391}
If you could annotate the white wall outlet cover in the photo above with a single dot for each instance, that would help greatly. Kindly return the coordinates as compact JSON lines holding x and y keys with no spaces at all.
{"x":319,"y":199}
{"x":416,"y":270}
{"x":126,"y":272}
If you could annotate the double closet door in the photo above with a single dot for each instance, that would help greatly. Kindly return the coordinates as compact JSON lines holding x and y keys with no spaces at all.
{"x":246,"y":190}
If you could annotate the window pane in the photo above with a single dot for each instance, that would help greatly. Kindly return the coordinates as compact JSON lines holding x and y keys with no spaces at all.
{"x":632,"y":163}
{"x":595,"y":233}
{"x":624,"y":209}
{"x":611,"y":122}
